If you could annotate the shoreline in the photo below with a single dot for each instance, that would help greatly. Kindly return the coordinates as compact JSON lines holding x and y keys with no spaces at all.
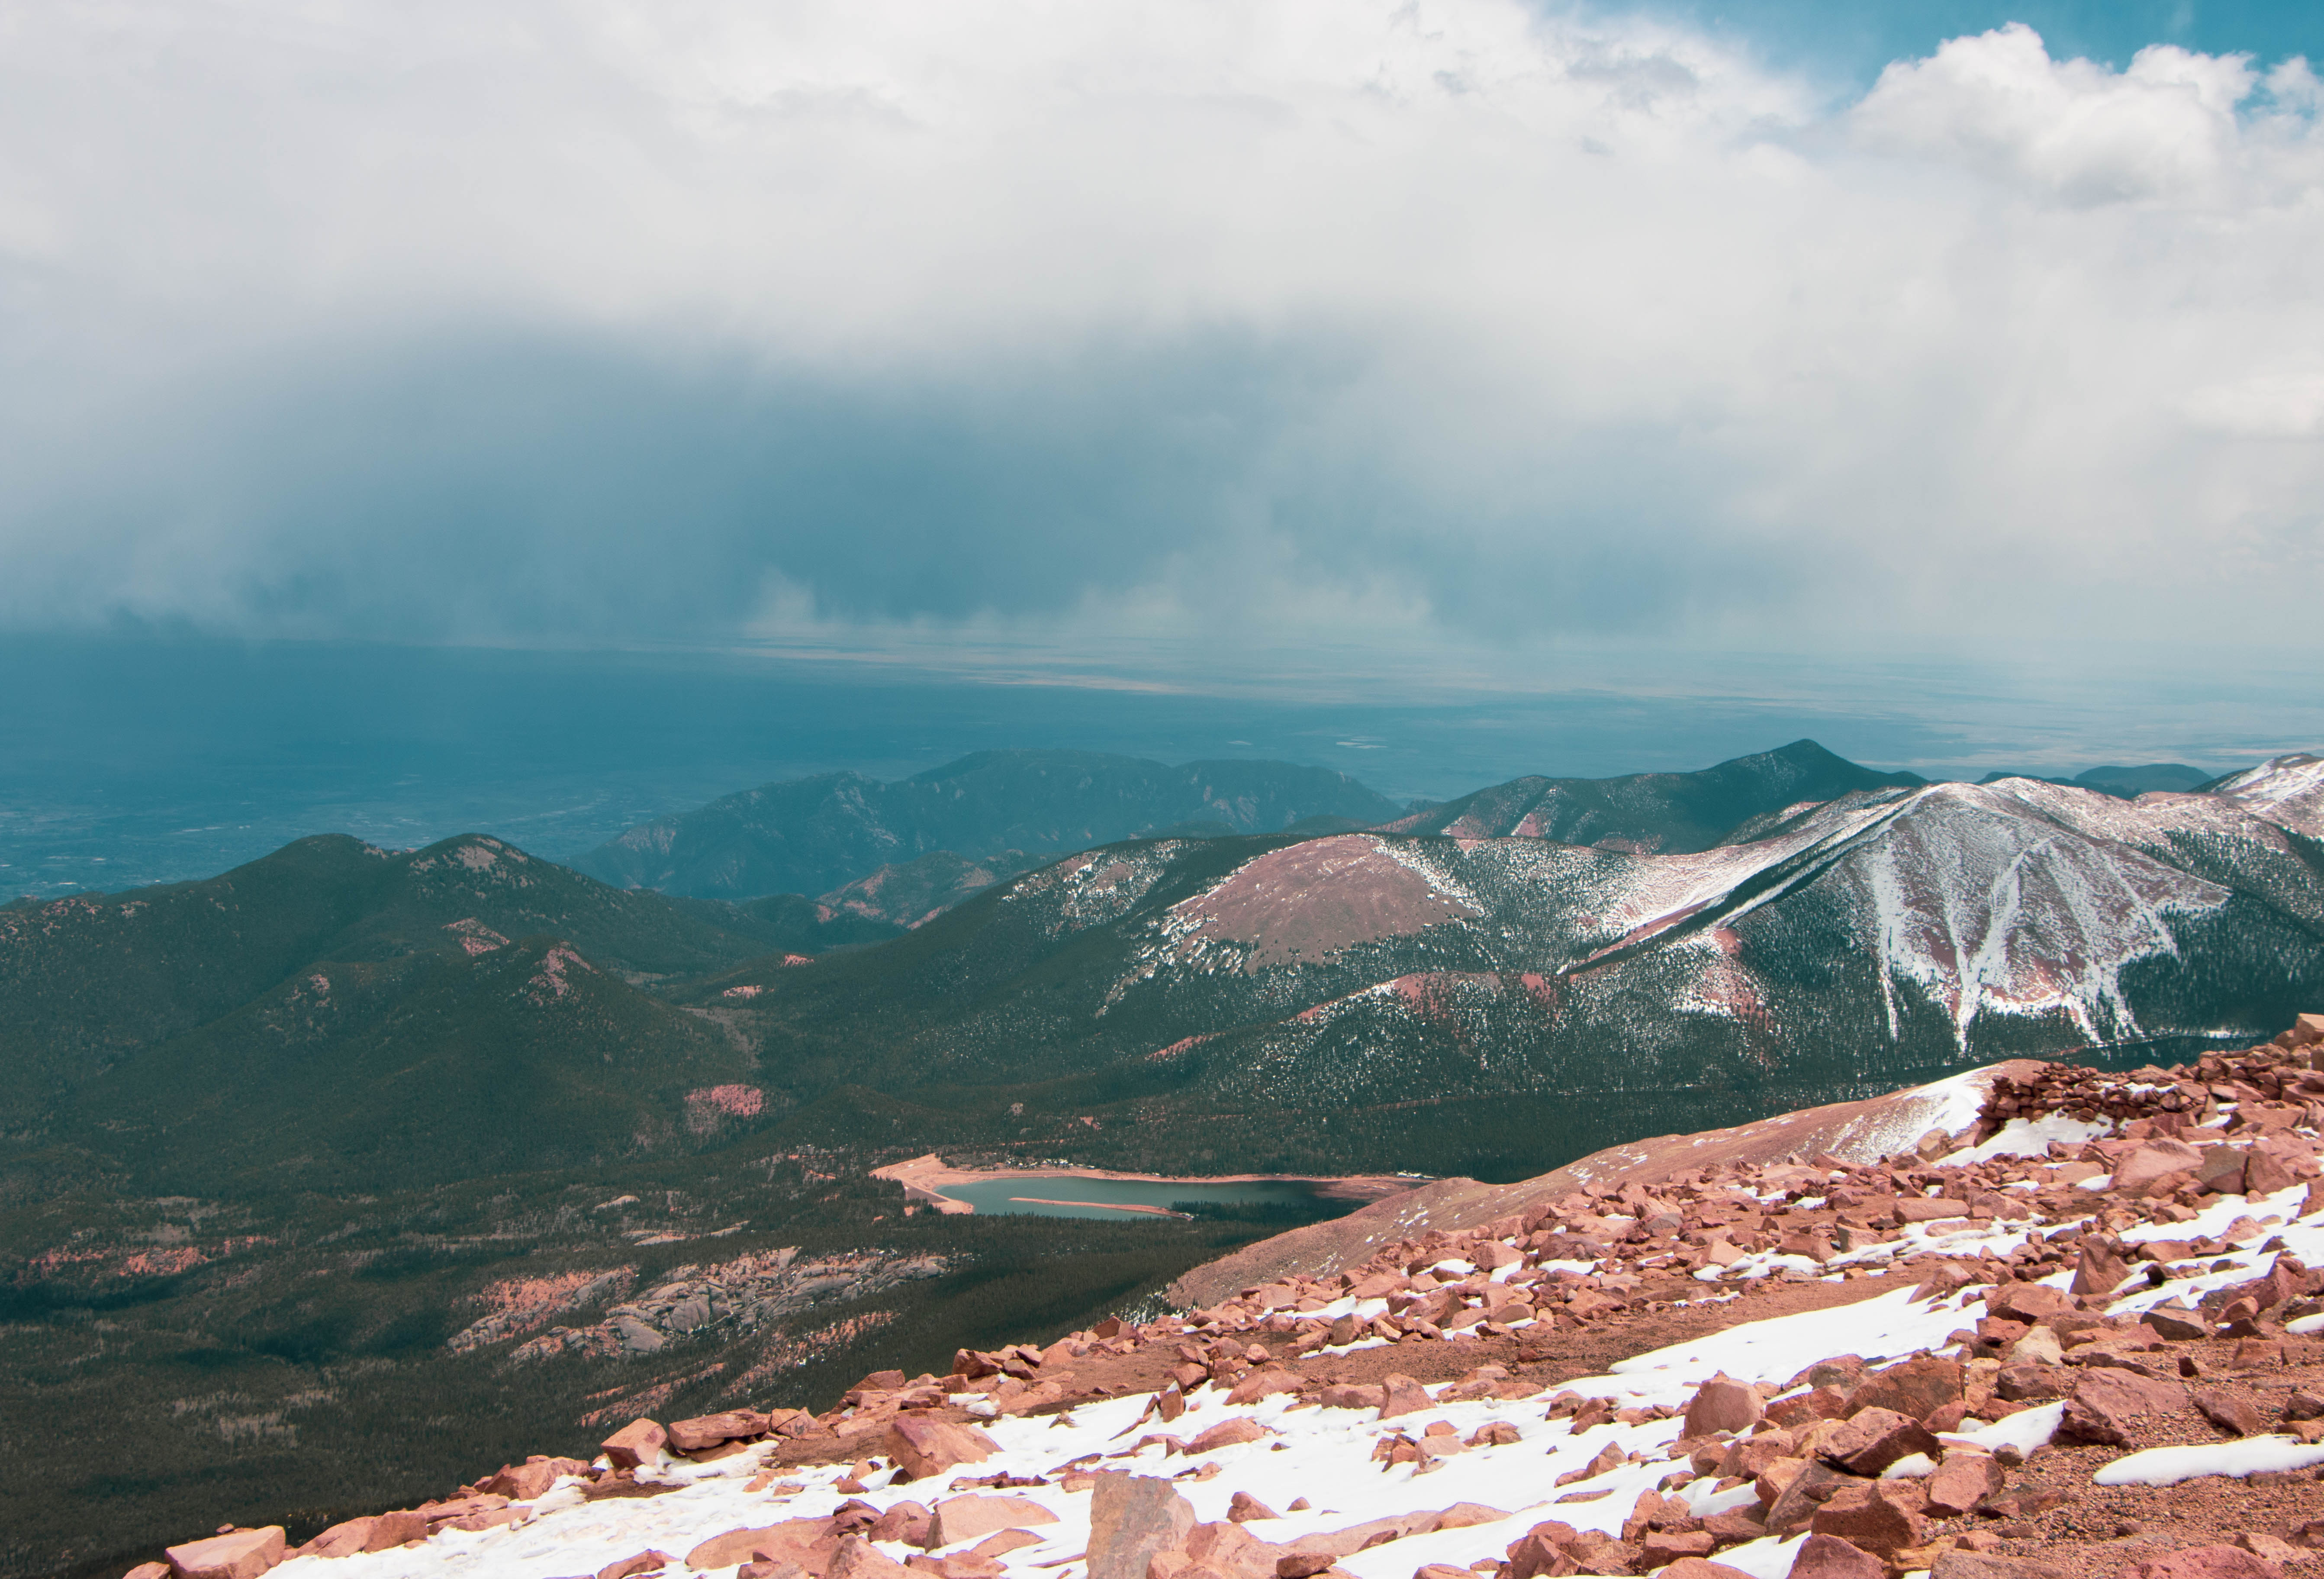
{"x":1092,"y":1206}
{"x":925,"y":1179}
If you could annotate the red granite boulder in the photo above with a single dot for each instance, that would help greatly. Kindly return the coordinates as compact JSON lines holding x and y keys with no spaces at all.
{"x":635,"y":1444}
{"x":1827,"y":1556}
{"x":241,"y":1554}
{"x":922,"y":1448}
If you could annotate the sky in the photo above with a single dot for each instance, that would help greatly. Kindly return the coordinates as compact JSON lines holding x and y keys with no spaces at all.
{"x":542,"y":415}
{"x":1444,"y":341}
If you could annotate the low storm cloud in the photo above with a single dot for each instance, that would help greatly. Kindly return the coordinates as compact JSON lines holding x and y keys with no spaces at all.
{"x":1456,"y":322}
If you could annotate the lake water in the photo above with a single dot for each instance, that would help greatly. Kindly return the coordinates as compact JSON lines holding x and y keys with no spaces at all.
{"x":2164,"y":1050}
{"x":1002,"y":1195}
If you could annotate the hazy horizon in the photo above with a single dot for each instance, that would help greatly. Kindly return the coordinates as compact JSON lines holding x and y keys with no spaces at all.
{"x":134,"y":761}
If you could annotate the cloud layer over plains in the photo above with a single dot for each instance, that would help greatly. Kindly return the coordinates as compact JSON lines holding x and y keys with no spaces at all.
{"x":1445,"y":323}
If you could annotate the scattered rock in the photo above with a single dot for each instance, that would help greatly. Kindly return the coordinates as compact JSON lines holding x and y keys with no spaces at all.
{"x":1917,"y":1387}
{"x":2099,"y":1270}
{"x":241,"y":1554}
{"x":394,"y":1529}
{"x":1261,"y":1384}
{"x":637,"y":1443}
{"x":645,"y":1562}
{"x":2027,"y":1302}
{"x":1883,"y":1518}
{"x":2038,"y":1347}
{"x":1400,"y":1395}
{"x":2221,"y":1170}
{"x":2270,"y":1547}
{"x":344,"y":1540}
{"x":522,"y":1482}
{"x":907,"y":1521}
{"x":1960,"y":1482}
{"x":723,"y":1551}
{"x":1662,"y":1547}
{"x":1827,"y":1556}
{"x":1131,"y":1518}
{"x":2142,"y":1167}
{"x":922,"y":1448}
{"x":2129,"y":1394}
{"x":704,"y":1431}
{"x":1226,"y":1433}
{"x":1872,"y":1439}
{"x":1961,"y":1563}
{"x":969,"y":1518}
{"x":2230,"y":1412}
{"x":2024,"y":1383}
{"x":857,"y":1558}
{"x":2177,"y":1323}
{"x":2214,"y":1561}
{"x":1722,"y":1405}
{"x":1802,"y":1493}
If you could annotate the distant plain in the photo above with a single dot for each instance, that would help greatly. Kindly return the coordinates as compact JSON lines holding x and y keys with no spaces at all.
{"x":127,"y":761}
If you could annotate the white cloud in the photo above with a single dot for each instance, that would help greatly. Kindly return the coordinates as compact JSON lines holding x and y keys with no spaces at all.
{"x":1439,"y":320}
{"x":2068,"y":129}
{"x":2265,"y":406}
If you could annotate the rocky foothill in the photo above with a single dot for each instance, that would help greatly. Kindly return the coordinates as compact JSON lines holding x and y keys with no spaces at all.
{"x":2075,"y":1338}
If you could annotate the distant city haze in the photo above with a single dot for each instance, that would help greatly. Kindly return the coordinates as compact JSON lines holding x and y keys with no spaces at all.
{"x":130,"y":761}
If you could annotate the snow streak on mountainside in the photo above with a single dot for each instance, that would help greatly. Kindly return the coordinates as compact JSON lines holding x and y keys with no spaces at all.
{"x":2288,"y":789}
{"x":1989,"y":907}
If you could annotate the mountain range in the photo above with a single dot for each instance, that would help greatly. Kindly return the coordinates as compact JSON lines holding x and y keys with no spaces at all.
{"x":328,"y":1005}
{"x":896,"y":853}
{"x":1650,"y":813}
{"x":807,"y":835}
{"x":1830,"y":948}
{"x":2126,"y":782}
{"x":1848,"y":930}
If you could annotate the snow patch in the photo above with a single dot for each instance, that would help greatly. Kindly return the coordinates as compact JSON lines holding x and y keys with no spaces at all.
{"x":2167,"y":1466}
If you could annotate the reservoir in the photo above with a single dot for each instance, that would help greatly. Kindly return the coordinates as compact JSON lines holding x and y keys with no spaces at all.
{"x":1078,"y":1195}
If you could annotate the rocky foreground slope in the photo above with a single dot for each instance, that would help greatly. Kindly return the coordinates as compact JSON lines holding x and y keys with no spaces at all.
{"x":2071,"y":1331}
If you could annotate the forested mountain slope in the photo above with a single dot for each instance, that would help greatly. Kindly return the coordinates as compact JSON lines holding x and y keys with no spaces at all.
{"x":807,"y":835}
